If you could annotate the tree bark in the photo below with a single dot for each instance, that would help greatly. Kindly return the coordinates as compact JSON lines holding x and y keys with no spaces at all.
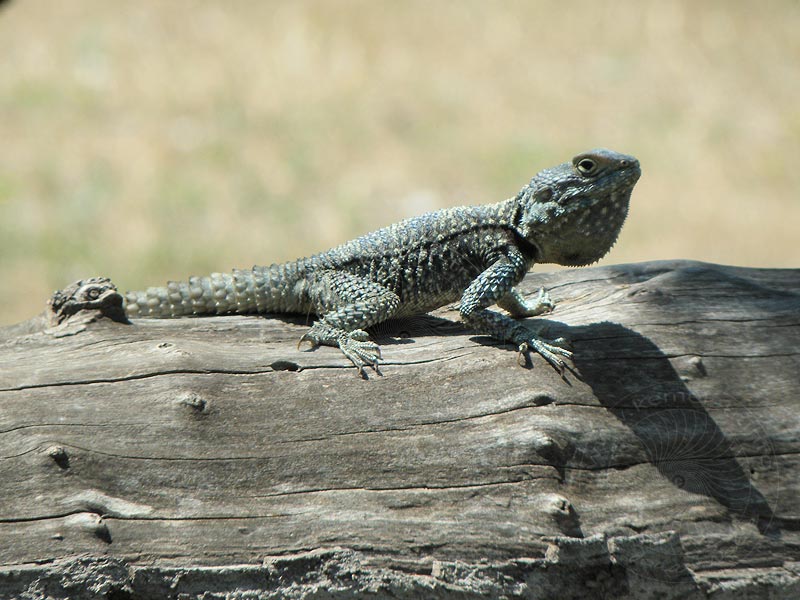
{"x":177,"y":458}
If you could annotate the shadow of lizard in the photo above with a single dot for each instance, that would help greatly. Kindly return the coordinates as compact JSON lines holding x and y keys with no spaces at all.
{"x":636,"y":382}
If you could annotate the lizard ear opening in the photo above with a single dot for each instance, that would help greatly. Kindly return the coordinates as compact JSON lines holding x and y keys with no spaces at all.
{"x":544,"y":194}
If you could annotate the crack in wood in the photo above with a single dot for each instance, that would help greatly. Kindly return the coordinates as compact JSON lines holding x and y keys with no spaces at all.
{"x":169,"y":372}
{"x":454,"y":459}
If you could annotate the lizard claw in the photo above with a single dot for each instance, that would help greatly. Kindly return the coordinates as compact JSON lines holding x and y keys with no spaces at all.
{"x":307,"y":337}
{"x":543,"y":303}
{"x":553,"y":352}
{"x":355,"y":345}
{"x":361,"y":352}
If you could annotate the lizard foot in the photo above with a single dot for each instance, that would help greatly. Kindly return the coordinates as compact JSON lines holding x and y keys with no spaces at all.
{"x":552,"y":351}
{"x":519,"y":307}
{"x":357,"y":347}
{"x":542,"y":304}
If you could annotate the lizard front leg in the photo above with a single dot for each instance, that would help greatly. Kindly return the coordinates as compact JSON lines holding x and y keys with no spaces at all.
{"x":496,"y":284}
{"x":348,"y":304}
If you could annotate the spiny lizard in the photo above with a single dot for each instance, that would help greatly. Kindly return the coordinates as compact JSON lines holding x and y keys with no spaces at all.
{"x":570,"y":214}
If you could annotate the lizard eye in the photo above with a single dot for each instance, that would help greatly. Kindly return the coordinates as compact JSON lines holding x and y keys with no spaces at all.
{"x":586,"y":166}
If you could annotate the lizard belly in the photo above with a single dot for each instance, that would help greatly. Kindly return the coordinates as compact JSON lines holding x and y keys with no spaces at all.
{"x":420,"y":306}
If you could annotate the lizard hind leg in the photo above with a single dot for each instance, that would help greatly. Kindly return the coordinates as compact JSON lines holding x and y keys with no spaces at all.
{"x":348,"y":305}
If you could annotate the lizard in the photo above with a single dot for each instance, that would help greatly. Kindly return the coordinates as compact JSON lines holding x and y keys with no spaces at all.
{"x":570,"y":214}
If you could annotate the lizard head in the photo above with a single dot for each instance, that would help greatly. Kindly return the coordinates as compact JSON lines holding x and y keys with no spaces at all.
{"x":572,"y":213}
{"x":97,"y":293}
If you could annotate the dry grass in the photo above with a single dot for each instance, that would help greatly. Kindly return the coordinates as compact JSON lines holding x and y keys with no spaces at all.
{"x":152,"y":140}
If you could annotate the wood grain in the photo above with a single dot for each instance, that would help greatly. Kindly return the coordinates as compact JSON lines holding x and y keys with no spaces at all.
{"x":211,"y":452}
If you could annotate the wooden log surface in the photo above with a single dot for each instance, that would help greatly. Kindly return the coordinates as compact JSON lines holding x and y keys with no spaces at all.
{"x":176,"y":458}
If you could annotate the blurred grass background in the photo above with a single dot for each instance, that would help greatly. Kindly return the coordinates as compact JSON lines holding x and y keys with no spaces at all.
{"x":151,"y":140}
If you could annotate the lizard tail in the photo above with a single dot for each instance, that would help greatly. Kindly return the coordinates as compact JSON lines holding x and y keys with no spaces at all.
{"x":258,"y":290}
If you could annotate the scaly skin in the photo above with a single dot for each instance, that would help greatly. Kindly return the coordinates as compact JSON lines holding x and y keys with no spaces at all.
{"x":570,"y":215}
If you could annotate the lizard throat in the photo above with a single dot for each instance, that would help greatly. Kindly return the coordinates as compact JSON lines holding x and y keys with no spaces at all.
{"x":586,"y":234}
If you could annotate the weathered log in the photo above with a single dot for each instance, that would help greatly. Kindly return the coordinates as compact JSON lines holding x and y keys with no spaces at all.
{"x":197,"y":456}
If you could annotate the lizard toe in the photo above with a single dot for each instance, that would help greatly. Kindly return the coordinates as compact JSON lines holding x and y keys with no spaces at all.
{"x":543,"y":302}
{"x":551,"y":351}
{"x":362,"y":353}
{"x":309,"y":337}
